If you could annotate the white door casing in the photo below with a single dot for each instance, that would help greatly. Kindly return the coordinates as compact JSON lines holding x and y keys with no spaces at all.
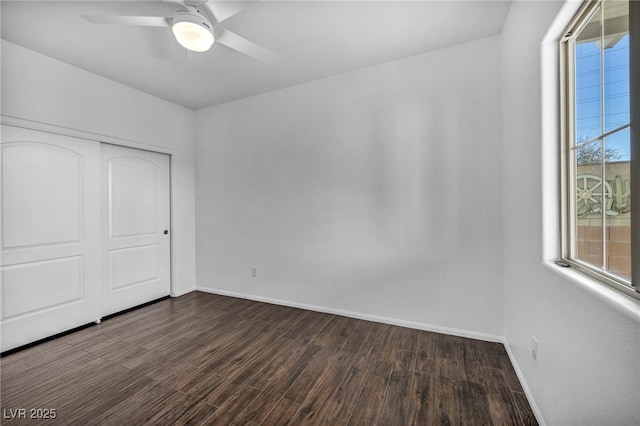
{"x":49,"y":234}
{"x":136,"y":251}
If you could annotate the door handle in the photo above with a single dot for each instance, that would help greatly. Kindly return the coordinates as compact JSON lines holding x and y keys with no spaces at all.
{"x":166,"y":231}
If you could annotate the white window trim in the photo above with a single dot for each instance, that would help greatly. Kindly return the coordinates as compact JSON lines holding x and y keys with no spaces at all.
{"x":620,"y":297}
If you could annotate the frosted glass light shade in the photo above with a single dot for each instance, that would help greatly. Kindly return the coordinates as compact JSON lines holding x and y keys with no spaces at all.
{"x":193,"y":32}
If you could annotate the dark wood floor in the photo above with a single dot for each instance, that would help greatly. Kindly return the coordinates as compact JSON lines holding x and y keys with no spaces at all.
{"x":206,"y":359}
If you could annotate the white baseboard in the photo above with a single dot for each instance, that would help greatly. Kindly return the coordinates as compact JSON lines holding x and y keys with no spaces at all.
{"x":527,"y":391}
{"x":359,"y":315}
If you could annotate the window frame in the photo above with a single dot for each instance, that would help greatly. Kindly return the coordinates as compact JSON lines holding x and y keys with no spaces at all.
{"x":567,"y":129}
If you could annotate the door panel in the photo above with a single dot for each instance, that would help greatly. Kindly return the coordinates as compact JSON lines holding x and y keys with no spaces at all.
{"x":55,"y":215}
{"x":136,"y":252}
{"x":134,"y":197}
{"x":27,"y":286}
{"x":50,"y":234}
{"x":133,"y":265}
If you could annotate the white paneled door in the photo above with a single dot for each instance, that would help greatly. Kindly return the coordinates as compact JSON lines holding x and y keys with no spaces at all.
{"x":135,"y":227}
{"x":50,"y":235}
{"x":84,"y":232}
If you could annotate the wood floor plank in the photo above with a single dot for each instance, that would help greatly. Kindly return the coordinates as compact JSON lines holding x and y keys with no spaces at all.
{"x":335,"y":333}
{"x":137,"y":330}
{"x":89,"y":385}
{"x":140,"y":408}
{"x":389,"y":344}
{"x":305,"y":381}
{"x":19,"y":362}
{"x":427,"y":342}
{"x":226,"y":350}
{"x":95,"y":343}
{"x":121,"y":352}
{"x":209,"y":359}
{"x":280,"y":362}
{"x":395,"y":405}
{"x":510,"y":374}
{"x":184,"y":410}
{"x":76,"y":337}
{"x":252,"y":356}
{"x":242,"y":422}
{"x":357,"y":337}
{"x":474,"y":407}
{"x":36,"y":385}
{"x":232,"y":408}
{"x":367,"y":406}
{"x":313,"y":407}
{"x":457,"y":357}
{"x":182,"y":349}
{"x":240,"y":373}
{"x":286,"y":323}
{"x":421,"y":407}
{"x":195,"y":380}
{"x":86,"y":380}
{"x":278,"y":385}
{"x":42,"y":373}
{"x":311,"y":325}
{"x":447,"y":402}
{"x":524,"y":409}
{"x":447,"y":368}
{"x":341,"y":403}
{"x":472,"y":367}
{"x":282,"y":414}
{"x":299,"y":323}
{"x":502,"y":408}
{"x":407,"y":339}
{"x":330,"y":421}
{"x":179,"y":326}
{"x":209,"y":344}
{"x":490,"y":353}
{"x":186,"y":330}
{"x":119,"y":389}
{"x":375,"y":339}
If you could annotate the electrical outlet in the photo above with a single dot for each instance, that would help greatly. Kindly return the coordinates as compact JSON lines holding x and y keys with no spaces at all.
{"x":534,"y":348}
{"x":254,"y":272}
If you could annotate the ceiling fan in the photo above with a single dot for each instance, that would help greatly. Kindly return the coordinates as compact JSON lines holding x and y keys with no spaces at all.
{"x":196,"y":24}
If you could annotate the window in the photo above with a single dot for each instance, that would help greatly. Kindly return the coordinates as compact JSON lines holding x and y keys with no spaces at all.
{"x":598,"y":51}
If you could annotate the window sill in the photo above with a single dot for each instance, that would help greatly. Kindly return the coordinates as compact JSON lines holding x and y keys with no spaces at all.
{"x":620,"y":302}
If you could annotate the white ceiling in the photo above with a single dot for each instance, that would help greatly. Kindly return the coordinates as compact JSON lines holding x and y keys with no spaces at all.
{"x":316,"y":39}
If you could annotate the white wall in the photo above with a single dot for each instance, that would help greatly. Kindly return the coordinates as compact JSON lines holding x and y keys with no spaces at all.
{"x":43,"y":90}
{"x":375,"y":192}
{"x":589,"y":337}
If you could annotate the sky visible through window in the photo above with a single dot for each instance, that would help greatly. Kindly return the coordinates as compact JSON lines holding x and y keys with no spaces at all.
{"x":616,"y":94}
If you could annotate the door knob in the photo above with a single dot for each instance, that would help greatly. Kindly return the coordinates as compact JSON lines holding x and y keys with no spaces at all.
{"x":166,"y":232}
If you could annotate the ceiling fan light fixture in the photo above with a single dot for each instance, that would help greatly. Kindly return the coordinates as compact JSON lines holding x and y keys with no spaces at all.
{"x":193,"y":32}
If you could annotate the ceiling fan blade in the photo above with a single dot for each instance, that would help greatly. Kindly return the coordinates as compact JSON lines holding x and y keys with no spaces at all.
{"x":221,"y":10}
{"x":142,"y":21}
{"x":242,"y":45}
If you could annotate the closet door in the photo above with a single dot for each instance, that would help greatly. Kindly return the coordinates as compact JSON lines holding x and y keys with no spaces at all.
{"x":136,"y":218}
{"x":50,"y":235}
